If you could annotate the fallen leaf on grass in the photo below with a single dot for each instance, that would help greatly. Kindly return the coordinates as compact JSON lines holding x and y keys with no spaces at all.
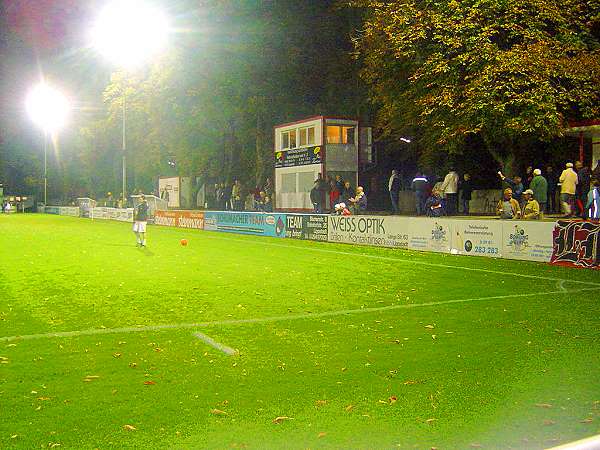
{"x":129,"y":427}
{"x":475,"y":445}
{"x":53,"y":444}
{"x":588,"y":420}
{"x":349,"y":408}
{"x":549,"y":422}
{"x":149,"y":382}
{"x":43,"y":398}
{"x":116,"y":355}
{"x":430,"y":421}
{"x":430,"y":326}
{"x":280,"y":419}
{"x":14,"y":436}
{"x":322,"y":434}
{"x":393,"y":399}
{"x":218,"y":412}
{"x":543,"y":405}
{"x":89,"y":378}
{"x":320,"y":403}
{"x":407,"y":382}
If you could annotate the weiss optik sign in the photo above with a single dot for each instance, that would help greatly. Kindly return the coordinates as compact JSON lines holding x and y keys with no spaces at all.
{"x":367,"y":230}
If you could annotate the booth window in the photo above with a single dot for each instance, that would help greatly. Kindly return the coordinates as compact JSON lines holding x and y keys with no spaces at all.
{"x":338,"y":134}
{"x":288,"y":183}
{"x":288,"y":139}
{"x":307,"y":136}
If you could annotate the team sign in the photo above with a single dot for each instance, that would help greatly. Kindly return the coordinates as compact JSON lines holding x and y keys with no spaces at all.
{"x":367,"y":230}
{"x":308,"y":227}
{"x":180,"y":219}
{"x":298,"y":157}
{"x":261,"y":224}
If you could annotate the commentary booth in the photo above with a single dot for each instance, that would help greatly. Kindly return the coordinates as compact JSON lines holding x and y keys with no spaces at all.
{"x":317,"y":145}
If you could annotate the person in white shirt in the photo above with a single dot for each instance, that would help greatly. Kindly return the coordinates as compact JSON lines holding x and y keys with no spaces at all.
{"x":450,"y":189}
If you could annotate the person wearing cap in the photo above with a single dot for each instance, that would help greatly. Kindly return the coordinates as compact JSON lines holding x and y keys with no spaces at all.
{"x":568,"y":187}
{"x":539,"y":186}
{"x":531,"y":207}
{"x":508,"y":207}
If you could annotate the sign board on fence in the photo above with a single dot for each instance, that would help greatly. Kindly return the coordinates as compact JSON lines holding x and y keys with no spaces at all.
{"x":431,"y":235}
{"x":51,"y":210}
{"x":180,"y":219}
{"x":477,"y":237}
{"x":123,"y":215}
{"x":381,"y":231}
{"x":305,"y":226}
{"x":72,"y":211}
{"x":527,"y":240}
{"x":261,"y":224}
{"x":576,"y":243}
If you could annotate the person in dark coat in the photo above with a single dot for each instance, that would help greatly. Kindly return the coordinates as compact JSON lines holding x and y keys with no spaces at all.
{"x":346,"y":193}
{"x":316,"y":197}
{"x":584,"y":177}
{"x":552,"y":179}
{"x":466,"y":189}
{"x":420,"y":186}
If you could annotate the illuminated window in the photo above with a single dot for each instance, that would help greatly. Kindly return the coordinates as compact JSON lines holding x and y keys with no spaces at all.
{"x":307,"y":136}
{"x":337,"y":134}
{"x":288,"y":139}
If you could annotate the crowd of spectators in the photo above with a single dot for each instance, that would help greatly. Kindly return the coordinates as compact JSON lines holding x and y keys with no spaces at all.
{"x":343,"y":198}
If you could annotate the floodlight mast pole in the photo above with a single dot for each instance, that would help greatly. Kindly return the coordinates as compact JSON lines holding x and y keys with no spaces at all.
{"x":124,"y":148}
{"x":45,"y":168}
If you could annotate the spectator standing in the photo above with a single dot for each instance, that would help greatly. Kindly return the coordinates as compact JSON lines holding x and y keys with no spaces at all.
{"x":420,"y":187}
{"x":359,"y":201}
{"x":316,"y":198}
{"x":450,"y":189}
{"x":584,"y":177}
{"x":552,"y":181}
{"x":508,"y":207}
{"x":528,"y":177}
{"x":515,"y":184}
{"x":394,"y":190}
{"x":466,"y":187}
{"x":227,"y":189}
{"x":531,"y":208}
{"x":334,"y":194}
{"x":434,"y":205}
{"x":568,"y":188}
{"x":593,"y":200}
{"x":236,"y":196}
{"x":539,"y":186}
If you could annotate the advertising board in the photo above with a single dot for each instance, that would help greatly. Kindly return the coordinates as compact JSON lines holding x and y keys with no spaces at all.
{"x":311,"y":227}
{"x":298,"y":157}
{"x":381,"y":231}
{"x":432,"y":235}
{"x":168,"y":188}
{"x":72,"y":211}
{"x":527,"y":240}
{"x":576,"y":244}
{"x":477,"y":237}
{"x":259,"y":224}
{"x":123,"y":215}
{"x":52,"y":210}
{"x":180,"y":219}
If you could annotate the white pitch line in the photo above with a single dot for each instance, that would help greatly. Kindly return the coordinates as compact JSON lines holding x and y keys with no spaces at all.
{"x":400,"y":260}
{"x":210,"y":341}
{"x":180,"y":326}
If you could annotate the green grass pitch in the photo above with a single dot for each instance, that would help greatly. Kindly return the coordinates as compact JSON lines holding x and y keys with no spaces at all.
{"x":337,"y":346}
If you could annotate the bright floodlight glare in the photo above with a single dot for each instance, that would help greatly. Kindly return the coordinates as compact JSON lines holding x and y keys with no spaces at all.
{"x":47,"y":107}
{"x":129,"y":31}
{"x":405,"y":140}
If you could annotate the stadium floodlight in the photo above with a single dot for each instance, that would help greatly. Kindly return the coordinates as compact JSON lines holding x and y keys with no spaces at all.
{"x":49,"y":109}
{"x":128,"y":32}
{"x":403,"y":139}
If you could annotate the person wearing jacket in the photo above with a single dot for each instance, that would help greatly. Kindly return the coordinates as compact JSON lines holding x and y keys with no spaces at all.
{"x":450,"y":189}
{"x":433,"y":205}
{"x":420,"y":186}
{"x":394,"y":190}
{"x":359,"y":201}
{"x":508,"y":207}
{"x":466,"y":187}
{"x":531,"y":207}
{"x":568,"y":187}
{"x":593,"y":200}
{"x":539,"y":186}
{"x":584,"y":176}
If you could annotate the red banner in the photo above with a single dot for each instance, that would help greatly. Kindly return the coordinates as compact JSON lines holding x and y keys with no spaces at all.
{"x":576,"y":244}
{"x":180,"y":219}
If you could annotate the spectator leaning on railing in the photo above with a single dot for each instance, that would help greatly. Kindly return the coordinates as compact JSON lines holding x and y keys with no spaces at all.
{"x":508,"y":207}
{"x":531,"y":207}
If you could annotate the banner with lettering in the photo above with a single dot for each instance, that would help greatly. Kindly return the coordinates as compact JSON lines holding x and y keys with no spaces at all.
{"x":261,"y":224}
{"x":576,"y":244}
{"x":180,"y":219}
{"x":381,"y":231}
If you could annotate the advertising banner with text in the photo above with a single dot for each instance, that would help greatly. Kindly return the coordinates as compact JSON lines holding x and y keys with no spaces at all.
{"x":298,"y":157}
{"x":123,"y":215}
{"x":307,"y":226}
{"x":180,"y":219}
{"x":431,"y":235}
{"x":260,"y":224}
{"x":477,"y":237}
{"x":381,"y":231}
{"x":527,"y":240}
{"x":576,"y":244}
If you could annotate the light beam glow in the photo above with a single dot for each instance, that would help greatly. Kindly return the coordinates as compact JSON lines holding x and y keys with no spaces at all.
{"x":47,"y":107}
{"x":129,"y":31}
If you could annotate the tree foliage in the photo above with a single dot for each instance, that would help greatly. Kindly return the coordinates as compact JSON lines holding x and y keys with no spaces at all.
{"x":505,"y":72}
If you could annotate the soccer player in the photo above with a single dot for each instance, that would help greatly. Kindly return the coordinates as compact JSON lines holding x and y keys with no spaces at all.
{"x":140,"y":217}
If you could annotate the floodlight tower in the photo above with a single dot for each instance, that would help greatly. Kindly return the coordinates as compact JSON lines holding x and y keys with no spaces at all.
{"x":49,"y":109}
{"x":128,"y":32}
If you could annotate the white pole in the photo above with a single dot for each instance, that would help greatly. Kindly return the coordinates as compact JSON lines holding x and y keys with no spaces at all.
{"x":124,"y":148}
